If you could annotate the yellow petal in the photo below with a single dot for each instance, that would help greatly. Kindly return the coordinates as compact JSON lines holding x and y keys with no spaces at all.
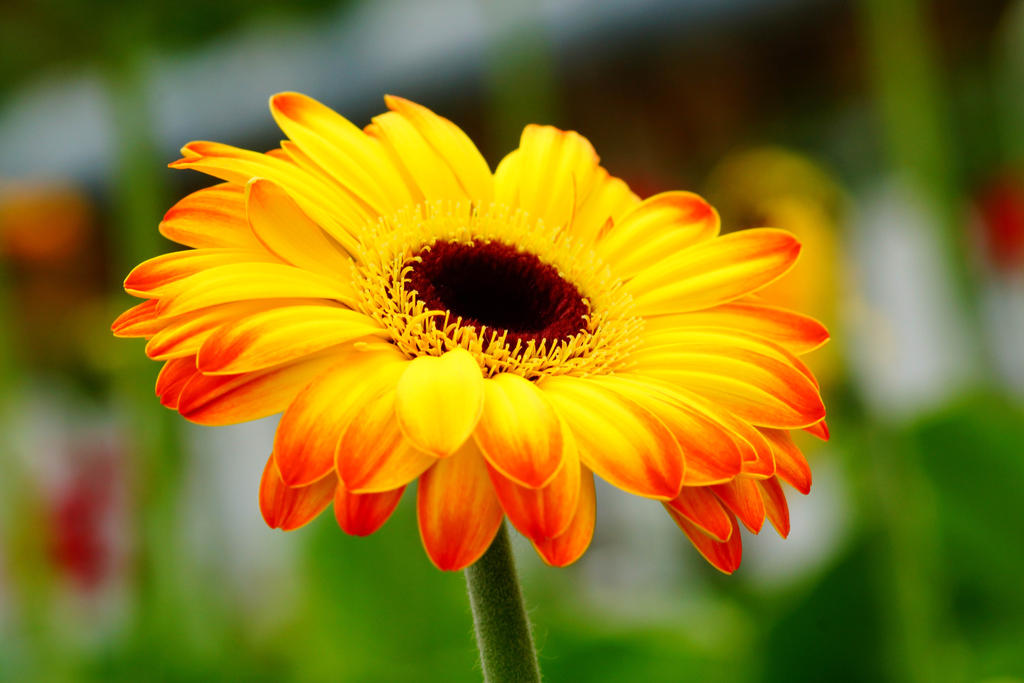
{"x":355,"y":160}
{"x":424,"y":165}
{"x":452,"y":145}
{"x":439,"y":401}
{"x":793,"y":331}
{"x":211,"y":217}
{"x":548,"y":174}
{"x":280,"y":335}
{"x":373,"y":455}
{"x":285,"y":230}
{"x":618,"y":439}
{"x":714,"y":272}
{"x":326,"y":203}
{"x":661,"y":226}
{"x":306,"y":442}
{"x":245,"y":281}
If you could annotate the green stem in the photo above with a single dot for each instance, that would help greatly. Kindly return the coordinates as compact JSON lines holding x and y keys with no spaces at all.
{"x":503,"y":634}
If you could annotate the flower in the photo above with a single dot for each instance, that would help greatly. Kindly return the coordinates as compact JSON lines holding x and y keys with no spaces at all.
{"x":499,"y":337}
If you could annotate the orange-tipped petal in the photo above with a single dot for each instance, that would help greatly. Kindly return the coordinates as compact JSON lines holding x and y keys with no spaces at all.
{"x":310,"y":429}
{"x":229,"y":399}
{"x":618,"y":439}
{"x":569,"y":546}
{"x":373,"y":454}
{"x":519,"y":432}
{"x":361,"y":514}
{"x":742,"y":495}
{"x":156,"y":277}
{"x":173,"y":377}
{"x":282,"y":335}
{"x":754,"y":386}
{"x":662,"y":225}
{"x":183,"y":335}
{"x":545,"y":512}
{"x":775,"y":505}
{"x":211,"y":217}
{"x":711,"y":452}
{"x":819,"y":430}
{"x":725,"y":557}
{"x":439,"y":401}
{"x":356,"y":161}
{"x":138,"y":321}
{"x":790,"y":464}
{"x":288,"y":508}
{"x":714,"y":272}
{"x":702,"y":508}
{"x":323,"y":200}
{"x":458,"y":511}
{"x":793,"y":331}
{"x":251,"y":281}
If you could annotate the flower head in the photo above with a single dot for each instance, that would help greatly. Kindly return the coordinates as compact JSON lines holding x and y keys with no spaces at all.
{"x":499,"y":337}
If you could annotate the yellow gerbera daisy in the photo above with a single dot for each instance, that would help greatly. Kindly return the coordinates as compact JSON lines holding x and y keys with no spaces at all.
{"x":501,"y":337}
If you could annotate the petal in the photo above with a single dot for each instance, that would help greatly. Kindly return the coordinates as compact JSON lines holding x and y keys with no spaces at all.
{"x":725,"y":557}
{"x":183,"y":335}
{"x":245,"y":281}
{"x":361,"y":514}
{"x":548,"y":174}
{"x":154,"y":278}
{"x":714,"y":272}
{"x":711,"y":454}
{"x":608,"y":201}
{"x":655,"y":229}
{"x":820,"y":430}
{"x":545,"y":512}
{"x":795,"y":332}
{"x":452,"y":145}
{"x":617,"y":438}
{"x":569,"y":546}
{"x":289,"y":508}
{"x":211,"y":217}
{"x":458,"y":511}
{"x":422,"y":163}
{"x":173,"y":377}
{"x":355,"y":160}
{"x":285,"y":230}
{"x":790,"y":464}
{"x":228,"y":399}
{"x":373,"y":455}
{"x":753,"y":386}
{"x":326,"y":203}
{"x":308,"y":434}
{"x":775,"y":505}
{"x":519,"y":432}
{"x":439,"y":401}
{"x":701,"y":507}
{"x":138,"y":321}
{"x":742,"y":495}
{"x":281,"y":335}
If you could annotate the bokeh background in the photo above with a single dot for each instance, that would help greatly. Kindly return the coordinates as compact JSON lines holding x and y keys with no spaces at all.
{"x":888,"y":134}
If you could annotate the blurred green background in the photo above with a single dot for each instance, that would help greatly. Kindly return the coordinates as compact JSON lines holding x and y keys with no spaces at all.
{"x":888,"y":134}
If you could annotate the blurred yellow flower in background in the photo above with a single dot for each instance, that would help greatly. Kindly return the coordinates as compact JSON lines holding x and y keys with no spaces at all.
{"x":499,"y":337}
{"x":775,"y":186}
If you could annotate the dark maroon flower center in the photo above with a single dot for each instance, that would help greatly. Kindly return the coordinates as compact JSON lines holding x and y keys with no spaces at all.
{"x":492,"y":284}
